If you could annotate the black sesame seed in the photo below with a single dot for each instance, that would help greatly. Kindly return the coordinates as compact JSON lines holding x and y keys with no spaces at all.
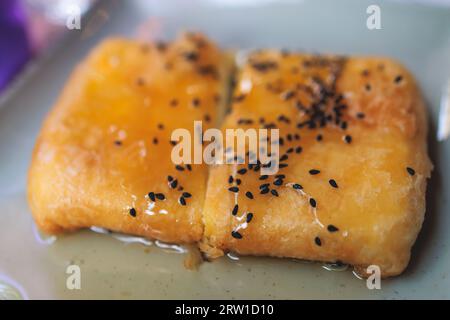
{"x":209,"y":70}
{"x":249,"y":195}
{"x":264,"y":185}
{"x":233,"y":189}
{"x":312,"y":202}
{"x":238,"y":182}
{"x":151,"y":195}
{"x":317,"y":241}
{"x":290,"y":150}
{"x":278,"y":182}
{"x":235,"y":210}
{"x":264,"y":66}
{"x":333,"y":183}
{"x":242,"y":171}
{"x":189,"y":167}
{"x":160,"y":196}
{"x":411,"y":171}
{"x":195,"y":102}
{"x":118,"y":143}
{"x":314,"y":171}
{"x":298,"y":150}
{"x":368,"y":87}
{"x":339,"y":98}
{"x":182,"y":201}
{"x":173,"y":184}
{"x":360,"y":115}
{"x":297,"y":186}
{"x":173,"y":102}
{"x":133,"y":212}
{"x":263,"y":177}
{"x":348,"y":139}
{"x":264,"y":190}
{"x":155,"y":140}
{"x":239,"y":98}
{"x":179,"y":168}
{"x":169,"y":178}
{"x":288,"y":95}
{"x":283,"y":118}
{"x":249,"y":217}
{"x":270,"y":126}
{"x":319,"y":137}
{"x":190,"y":56}
{"x":332,"y":228}
{"x":230,"y":179}
{"x":274,"y":192}
{"x":187,"y":195}
{"x":329,"y":118}
{"x":284,"y":157}
{"x":160,"y":126}
{"x":283,"y":165}
{"x":161,"y":45}
{"x":236,"y":235}
{"x":398,"y":79}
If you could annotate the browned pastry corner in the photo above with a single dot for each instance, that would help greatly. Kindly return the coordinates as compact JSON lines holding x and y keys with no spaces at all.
{"x":353,"y":163}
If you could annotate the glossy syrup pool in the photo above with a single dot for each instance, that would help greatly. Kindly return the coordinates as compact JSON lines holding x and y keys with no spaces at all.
{"x":121,"y":266}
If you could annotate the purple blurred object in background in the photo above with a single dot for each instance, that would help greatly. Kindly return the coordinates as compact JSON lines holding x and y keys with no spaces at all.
{"x":15,"y":49}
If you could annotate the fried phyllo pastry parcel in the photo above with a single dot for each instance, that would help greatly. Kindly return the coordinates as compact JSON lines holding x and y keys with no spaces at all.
{"x":103,"y":156}
{"x":353,"y":163}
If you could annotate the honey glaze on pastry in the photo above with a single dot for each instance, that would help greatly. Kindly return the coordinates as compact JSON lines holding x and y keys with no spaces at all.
{"x":103,"y":157}
{"x":353,"y":163}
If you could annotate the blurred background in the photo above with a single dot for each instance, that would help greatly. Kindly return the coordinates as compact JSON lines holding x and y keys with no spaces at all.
{"x":29,"y":28}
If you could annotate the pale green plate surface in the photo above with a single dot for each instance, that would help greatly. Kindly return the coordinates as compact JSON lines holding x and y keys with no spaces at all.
{"x":416,"y":35}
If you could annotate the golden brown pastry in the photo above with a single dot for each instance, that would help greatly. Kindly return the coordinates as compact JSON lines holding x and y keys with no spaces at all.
{"x":103,"y":155}
{"x":353,"y":163}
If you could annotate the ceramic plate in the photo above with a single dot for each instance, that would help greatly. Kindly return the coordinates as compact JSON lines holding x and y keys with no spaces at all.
{"x":113,"y":266}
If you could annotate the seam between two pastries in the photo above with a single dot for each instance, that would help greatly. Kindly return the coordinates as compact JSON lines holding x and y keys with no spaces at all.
{"x":230,"y":72}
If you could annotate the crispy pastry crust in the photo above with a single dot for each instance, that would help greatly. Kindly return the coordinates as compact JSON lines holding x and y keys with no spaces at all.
{"x":377,"y":207}
{"x":106,"y":143}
